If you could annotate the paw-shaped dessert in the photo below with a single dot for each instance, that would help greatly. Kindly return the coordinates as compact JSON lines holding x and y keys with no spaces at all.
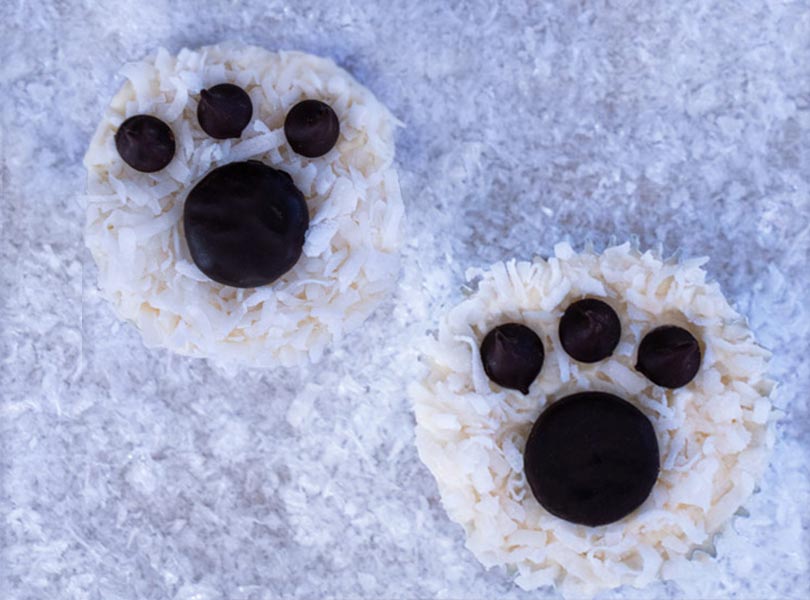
{"x":242,"y":204}
{"x":593,"y":419}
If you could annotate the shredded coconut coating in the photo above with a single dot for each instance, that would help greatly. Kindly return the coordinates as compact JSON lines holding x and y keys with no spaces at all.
{"x":134,"y":230}
{"x":713,"y":434}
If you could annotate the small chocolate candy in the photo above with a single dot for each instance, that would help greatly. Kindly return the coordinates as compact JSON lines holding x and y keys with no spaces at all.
{"x":589,"y":330}
{"x":245,"y":224}
{"x":513,"y":356}
{"x":312,"y":128}
{"x":669,"y":356}
{"x":145,"y":143}
{"x":224,"y":111}
{"x":591,"y":458}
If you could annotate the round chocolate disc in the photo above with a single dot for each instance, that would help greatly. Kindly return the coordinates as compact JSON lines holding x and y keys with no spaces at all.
{"x":591,"y":458}
{"x":669,"y":356}
{"x":145,"y":143}
{"x":513,"y":356}
{"x":224,"y":111}
{"x":589,"y":330}
{"x":312,"y":128}
{"x":245,"y":224}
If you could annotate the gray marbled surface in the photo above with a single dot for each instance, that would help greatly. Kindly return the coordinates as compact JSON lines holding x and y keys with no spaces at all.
{"x":127,"y":473}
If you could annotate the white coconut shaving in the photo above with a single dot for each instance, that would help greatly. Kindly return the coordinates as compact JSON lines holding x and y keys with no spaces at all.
{"x":713,"y":434}
{"x":134,"y":220}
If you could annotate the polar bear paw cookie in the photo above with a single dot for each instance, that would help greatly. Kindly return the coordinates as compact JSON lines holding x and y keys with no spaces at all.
{"x":593,"y":419}
{"x":242,"y":203}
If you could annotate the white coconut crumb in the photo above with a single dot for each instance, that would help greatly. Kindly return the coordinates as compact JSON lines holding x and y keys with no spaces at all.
{"x":134,"y":220}
{"x":713,"y":434}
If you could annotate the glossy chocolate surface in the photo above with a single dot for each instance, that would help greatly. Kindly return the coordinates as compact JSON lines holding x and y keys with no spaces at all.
{"x":589,"y":330}
{"x":591,"y":458}
{"x":245,"y":224}
{"x":145,"y":143}
{"x":669,"y":356}
{"x":512,"y":355}
{"x":224,"y":111}
{"x":312,"y":128}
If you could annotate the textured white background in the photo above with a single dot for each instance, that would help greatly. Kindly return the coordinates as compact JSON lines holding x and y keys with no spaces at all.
{"x":131,"y":474}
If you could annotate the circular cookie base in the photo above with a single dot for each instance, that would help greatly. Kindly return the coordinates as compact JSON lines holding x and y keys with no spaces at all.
{"x":713,"y":433}
{"x":134,"y":220}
